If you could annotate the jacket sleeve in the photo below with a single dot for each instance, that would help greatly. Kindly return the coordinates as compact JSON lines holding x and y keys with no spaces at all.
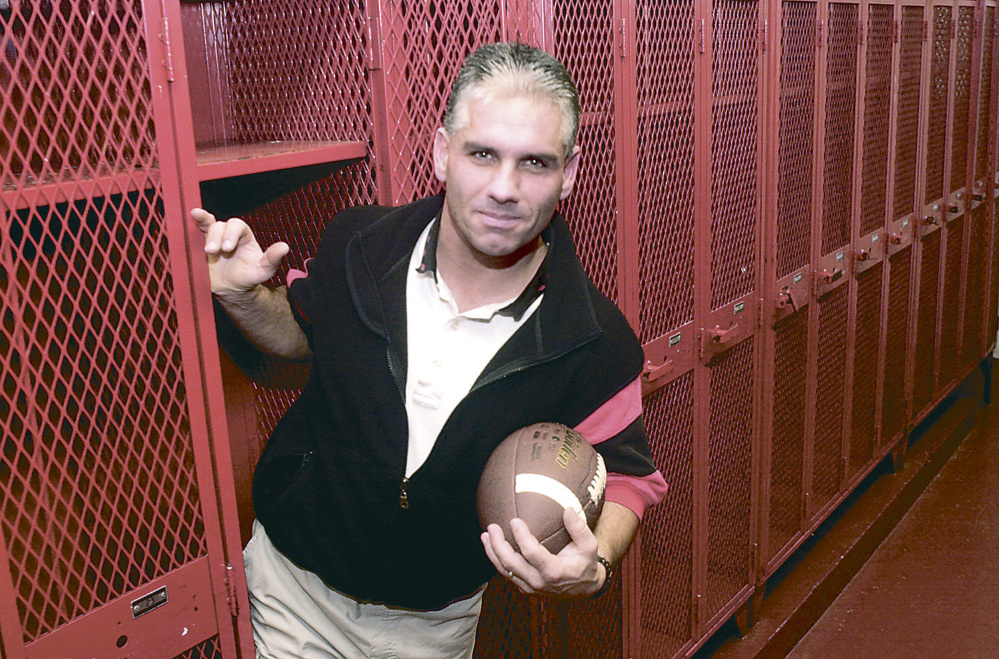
{"x":616,"y":430}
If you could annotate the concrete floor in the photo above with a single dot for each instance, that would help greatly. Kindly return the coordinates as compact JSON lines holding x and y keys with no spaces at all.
{"x":931,"y":589}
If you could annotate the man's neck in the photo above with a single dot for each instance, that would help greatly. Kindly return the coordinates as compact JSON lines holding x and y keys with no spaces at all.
{"x":475,"y":283}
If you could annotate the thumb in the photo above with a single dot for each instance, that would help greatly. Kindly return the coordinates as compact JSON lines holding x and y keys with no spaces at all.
{"x":578,"y":530}
{"x":271,"y":258}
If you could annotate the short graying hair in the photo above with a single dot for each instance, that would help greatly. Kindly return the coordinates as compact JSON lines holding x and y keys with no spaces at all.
{"x":530,"y":70}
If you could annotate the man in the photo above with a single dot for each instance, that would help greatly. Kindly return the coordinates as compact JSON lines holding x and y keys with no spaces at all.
{"x":435,"y":330}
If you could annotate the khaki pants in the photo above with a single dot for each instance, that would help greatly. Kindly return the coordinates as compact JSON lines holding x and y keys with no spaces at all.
{"x":296,"y":616}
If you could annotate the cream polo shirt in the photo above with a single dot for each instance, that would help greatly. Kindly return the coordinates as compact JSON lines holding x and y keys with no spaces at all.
{"x":446,"y":350}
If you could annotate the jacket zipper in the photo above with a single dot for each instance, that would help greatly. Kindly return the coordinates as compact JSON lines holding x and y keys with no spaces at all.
{"x":403,"y":495}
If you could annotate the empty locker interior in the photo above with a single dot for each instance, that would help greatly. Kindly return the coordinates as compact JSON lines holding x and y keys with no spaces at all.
{"x":793,"y":202}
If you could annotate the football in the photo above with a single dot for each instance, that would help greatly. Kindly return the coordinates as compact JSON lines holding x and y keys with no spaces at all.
{"x":535,"y":474}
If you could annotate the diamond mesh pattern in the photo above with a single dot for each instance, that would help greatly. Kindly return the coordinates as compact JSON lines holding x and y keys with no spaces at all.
{"x":584,"y":42}
{"x":98,"y":439}
{"x":797,"y":107}
{"x":207,"y":649}
{"x":667,"y":535}
{"x":950,"y":342}
{"x":840,"y":113}
{"x":74,"y":97}
{"x":788,"y":440}
{"x":665,"y":166}
{"x":827,"y":461}
{"x":939,"y":83}
{"x":295,"y":74}
{"x":877,"y":114}
{"x":894,"y":414}
{"x":907,"y":127}
{"x":729,"y":478}
{"x":962,"y":98}
{"x":734,"y":150}
{"x":926,"y":323}
{"x":511,"y":628}
{"x":98,"y":492}
{"x":863,"y":433}
{"x":425,"y":44}
{"x":985,"y":106}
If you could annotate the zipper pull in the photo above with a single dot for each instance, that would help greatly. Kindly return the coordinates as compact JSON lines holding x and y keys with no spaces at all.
{"x":403,"y":495}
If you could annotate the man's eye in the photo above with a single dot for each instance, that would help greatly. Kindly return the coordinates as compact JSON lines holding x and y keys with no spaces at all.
{"x":535,"y":163}
{"x":481,"y":155}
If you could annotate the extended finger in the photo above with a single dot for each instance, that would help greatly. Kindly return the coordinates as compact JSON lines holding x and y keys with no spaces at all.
{"x":202,"y":218}
{"x":236,"y":230}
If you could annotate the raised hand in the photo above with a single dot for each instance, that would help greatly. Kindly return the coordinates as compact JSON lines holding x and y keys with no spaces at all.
{"x":236,"y":262}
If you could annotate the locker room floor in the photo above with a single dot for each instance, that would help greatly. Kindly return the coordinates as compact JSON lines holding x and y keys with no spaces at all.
{"x":930,"y":585}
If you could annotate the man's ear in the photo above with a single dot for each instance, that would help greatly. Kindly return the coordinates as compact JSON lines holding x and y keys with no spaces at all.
{"x":569,"y":176}
{"x":441,"y":141}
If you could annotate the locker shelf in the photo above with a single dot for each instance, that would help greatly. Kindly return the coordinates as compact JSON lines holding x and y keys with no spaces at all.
{"x":73,"y":185}
{"x":220,"y":161}
{"x":237,"y":178}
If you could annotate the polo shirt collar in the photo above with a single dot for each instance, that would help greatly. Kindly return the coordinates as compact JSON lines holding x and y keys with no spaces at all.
{"x":517,"y":308}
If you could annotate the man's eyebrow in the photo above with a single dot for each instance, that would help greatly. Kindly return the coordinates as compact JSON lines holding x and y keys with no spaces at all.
{"x":547,"y":158}
{"x":471,"y":147}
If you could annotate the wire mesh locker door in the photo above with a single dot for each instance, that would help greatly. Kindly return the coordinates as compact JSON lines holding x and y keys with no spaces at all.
{"x":976,"y":283}
{"x":787,"y":313}
{"x":903,"y":219}
{"x":839,"y":108}
{"x":665,"y":53}
{"x":937,"y":100}
{"x":729,"y":189}
{"x":866,"y":349}
{"x":110,"y":525}
{"x":957,"y":221}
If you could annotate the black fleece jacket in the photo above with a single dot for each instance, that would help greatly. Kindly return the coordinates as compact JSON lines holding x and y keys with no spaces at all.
{"x":329,"y":483}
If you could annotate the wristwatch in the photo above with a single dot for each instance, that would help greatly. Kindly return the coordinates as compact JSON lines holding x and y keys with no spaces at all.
{"x":610,"y":574}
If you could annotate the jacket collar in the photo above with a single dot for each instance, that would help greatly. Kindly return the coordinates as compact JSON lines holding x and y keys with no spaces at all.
{"x":377,"y":261}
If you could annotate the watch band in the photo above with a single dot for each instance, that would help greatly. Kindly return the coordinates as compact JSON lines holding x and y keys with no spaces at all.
{"x":607,"y":579}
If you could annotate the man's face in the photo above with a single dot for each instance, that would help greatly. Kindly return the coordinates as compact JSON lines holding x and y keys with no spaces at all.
{"x":504,"y":170}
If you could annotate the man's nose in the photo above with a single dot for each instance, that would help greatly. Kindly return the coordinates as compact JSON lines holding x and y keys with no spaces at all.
{"x":505,"y":183}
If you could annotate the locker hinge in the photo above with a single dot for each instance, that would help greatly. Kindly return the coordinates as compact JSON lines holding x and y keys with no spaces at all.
{"x":764,"y":35}
{"x":953,"y":29}
{"x":700,"y":35}
{"x":820,"y":26}
{"x":894,"y":31}
{"x":926,"y":30}
{"x":860,"y":32}
{"x":374,"y":49}
{"x":167,"y":52}
{"x":230,"y":592}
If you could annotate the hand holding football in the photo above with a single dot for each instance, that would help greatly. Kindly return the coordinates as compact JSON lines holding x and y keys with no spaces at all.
{"x":535,"y":474}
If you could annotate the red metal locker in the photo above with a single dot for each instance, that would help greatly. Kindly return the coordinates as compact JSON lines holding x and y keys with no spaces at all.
{"x":729,"y":181}
{"x":902,"y":220}
{"x":977,"y":247}
{"x":934,"y":160}
{"x":252,"y":145}
{"x":787,"y":363}
{"x":824,"y":465}
{"x":956,"y":219}
{"x":665,"y":56}
{"x":118,"y":532}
